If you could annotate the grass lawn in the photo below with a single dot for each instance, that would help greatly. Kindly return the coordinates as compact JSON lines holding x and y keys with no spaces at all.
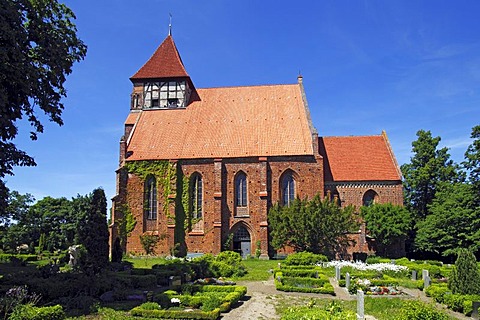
{"x":145,"y":262}
{"x":257,"y":270}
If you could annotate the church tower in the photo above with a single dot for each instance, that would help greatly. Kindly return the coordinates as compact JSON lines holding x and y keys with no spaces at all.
{"x":162,"y":82}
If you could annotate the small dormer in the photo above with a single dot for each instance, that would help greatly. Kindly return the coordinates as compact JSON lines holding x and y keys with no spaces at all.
{"x":162,"y":82}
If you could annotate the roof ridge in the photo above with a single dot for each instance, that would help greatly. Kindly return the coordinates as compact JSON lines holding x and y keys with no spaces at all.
{"x":251,"y":86}
{"x":353,"y":136}
{"x":392,"y":155}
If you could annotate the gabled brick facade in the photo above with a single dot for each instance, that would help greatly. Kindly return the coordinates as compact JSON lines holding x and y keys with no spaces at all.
{"x":230,"y":154}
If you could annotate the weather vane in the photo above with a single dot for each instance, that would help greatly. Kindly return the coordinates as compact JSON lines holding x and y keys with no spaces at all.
{"x":170,"y":25}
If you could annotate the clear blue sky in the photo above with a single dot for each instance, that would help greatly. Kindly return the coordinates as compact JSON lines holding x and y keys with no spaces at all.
{"x":368,"y":66}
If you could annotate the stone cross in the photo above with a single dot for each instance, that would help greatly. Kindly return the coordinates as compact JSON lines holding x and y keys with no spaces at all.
{"x":347,"y":281}
{"x":360,"y":305}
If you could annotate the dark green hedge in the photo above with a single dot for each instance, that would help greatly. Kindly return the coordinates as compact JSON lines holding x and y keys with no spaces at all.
{"x":176,"y":314}
{"x":311,"y":285}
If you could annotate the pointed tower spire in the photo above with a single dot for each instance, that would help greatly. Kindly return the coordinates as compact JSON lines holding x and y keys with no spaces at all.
{"x":170,"y":25}
{"x":162,"y":82}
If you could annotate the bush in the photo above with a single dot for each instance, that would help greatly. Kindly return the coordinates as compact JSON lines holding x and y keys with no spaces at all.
{"x":415,"y":310}
{"x":230,"y":257}
{"x":312,"y":285}
{"x":465,"y":277}
{"x":30,"y":312}
{"x":437,"y":292}
{"x":333,"y":311}
{"x":454,"y":302}
{"x":304,"y":259}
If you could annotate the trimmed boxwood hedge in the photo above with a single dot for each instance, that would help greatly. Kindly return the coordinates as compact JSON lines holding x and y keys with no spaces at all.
{"x":311,"y":285}
{"x":176,"y":314}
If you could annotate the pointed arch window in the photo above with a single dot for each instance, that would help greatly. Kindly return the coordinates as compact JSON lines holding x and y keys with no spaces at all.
{"x":150,"y":201}
{"x":197,"y":196}
{"x":288,"y":188}
{"x":241,"y":197}
{"x":241,"y":190}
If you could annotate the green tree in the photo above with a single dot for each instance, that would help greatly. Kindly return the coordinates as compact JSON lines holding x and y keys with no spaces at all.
{"x":472,"y":162}
{"x":453,"y":222}
{"x":428,"y":167}
{"x":93,"y":233}
{"x":318,"y":226}
{"x":387,"y":223}
{"x":39,"y":46}
{"x":149,"y":242}
{"x":465,"y":276}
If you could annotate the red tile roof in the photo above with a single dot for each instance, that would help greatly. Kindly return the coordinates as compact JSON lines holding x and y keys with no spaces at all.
{"x":224,"y":123}
{"x":164,"y":63}
{"x":361,"y":158}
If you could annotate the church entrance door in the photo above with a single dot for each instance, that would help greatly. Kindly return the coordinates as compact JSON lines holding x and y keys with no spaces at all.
{"x":242,"y":242}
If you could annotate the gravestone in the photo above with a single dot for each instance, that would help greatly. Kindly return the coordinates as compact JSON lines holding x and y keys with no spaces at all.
{"x":337,"y":273}
{"x":426,"y":282}
{"x":347,"y":281}
{"x":424,"y":273}
{"x":475,"y":306}
{"x":360,"y":305}
{"x":414,"y":275}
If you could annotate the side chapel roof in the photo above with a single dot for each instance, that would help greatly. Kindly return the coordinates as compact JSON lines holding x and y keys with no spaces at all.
{"x":358,"y":158}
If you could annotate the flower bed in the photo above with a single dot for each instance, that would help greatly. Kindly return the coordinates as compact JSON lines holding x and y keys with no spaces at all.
{"x":196,"y":302}
{"x":302,"y":284}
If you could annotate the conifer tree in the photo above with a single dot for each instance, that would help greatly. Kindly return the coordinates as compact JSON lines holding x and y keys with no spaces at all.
{"x":465,"y":277}
{"x":93,"y":233}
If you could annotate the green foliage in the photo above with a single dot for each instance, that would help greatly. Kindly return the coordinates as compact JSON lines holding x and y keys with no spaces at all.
{"x":258,"y":249}
{"x":416,"y":310}
{"x":30,"y":312}
{"x":437,"y":292}
{"x":39,"y":48}
{"x":225,"y":264}
{"x":304,"y":259}
{"x":332,"y":311}
{"x":465,"y":277}
{"x":149,"y":242}
{"x":125,"y":223}
{"x":176,"y":314}
{"x":387,"y":223}
{"x":93,"y":233}
{"x":453,"y":222}
{"x":295,"y":284}
{"x":163,"y":171}
{"x":472,"y":162}
{"x":427,"y":168}
{"x":318,"y":226}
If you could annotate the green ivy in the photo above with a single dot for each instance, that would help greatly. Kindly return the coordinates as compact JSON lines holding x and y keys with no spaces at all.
{"x":126,"y":224}
{"x":164,"y":172}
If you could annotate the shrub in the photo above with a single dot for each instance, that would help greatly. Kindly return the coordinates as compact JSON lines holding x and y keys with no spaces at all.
{"x":230,"y":257}
{"x":150,"y":306}
{"x":210,"y":302}
{"x":465,"y":277}
{"x":437,"y":292}
{"x":305,"y":258}
{"x":415,"y":310}
{"x":30,"y":312}
{"x":454,"y":302}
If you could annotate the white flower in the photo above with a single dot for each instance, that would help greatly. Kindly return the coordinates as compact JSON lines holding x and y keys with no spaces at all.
{"x":175,"y":300}
{"x":363,"y":266}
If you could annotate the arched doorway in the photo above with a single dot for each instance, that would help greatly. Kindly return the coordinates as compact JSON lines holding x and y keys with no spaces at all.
{"x":241,"y":242}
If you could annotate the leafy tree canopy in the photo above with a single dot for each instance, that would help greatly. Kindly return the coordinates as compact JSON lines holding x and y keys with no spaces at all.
{"x":39,"y":46}
{"x":318,"y":226}
{"x":472,"y":161}
{"x":454,"y":221}
{"x":427,"y":168}
{"x":387,"y":222}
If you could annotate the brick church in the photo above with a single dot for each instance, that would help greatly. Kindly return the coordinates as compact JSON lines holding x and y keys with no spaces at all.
{"x":200,"y":168}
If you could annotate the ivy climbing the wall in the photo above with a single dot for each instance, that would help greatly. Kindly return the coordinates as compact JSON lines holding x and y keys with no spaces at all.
{"x":164,"y":172}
